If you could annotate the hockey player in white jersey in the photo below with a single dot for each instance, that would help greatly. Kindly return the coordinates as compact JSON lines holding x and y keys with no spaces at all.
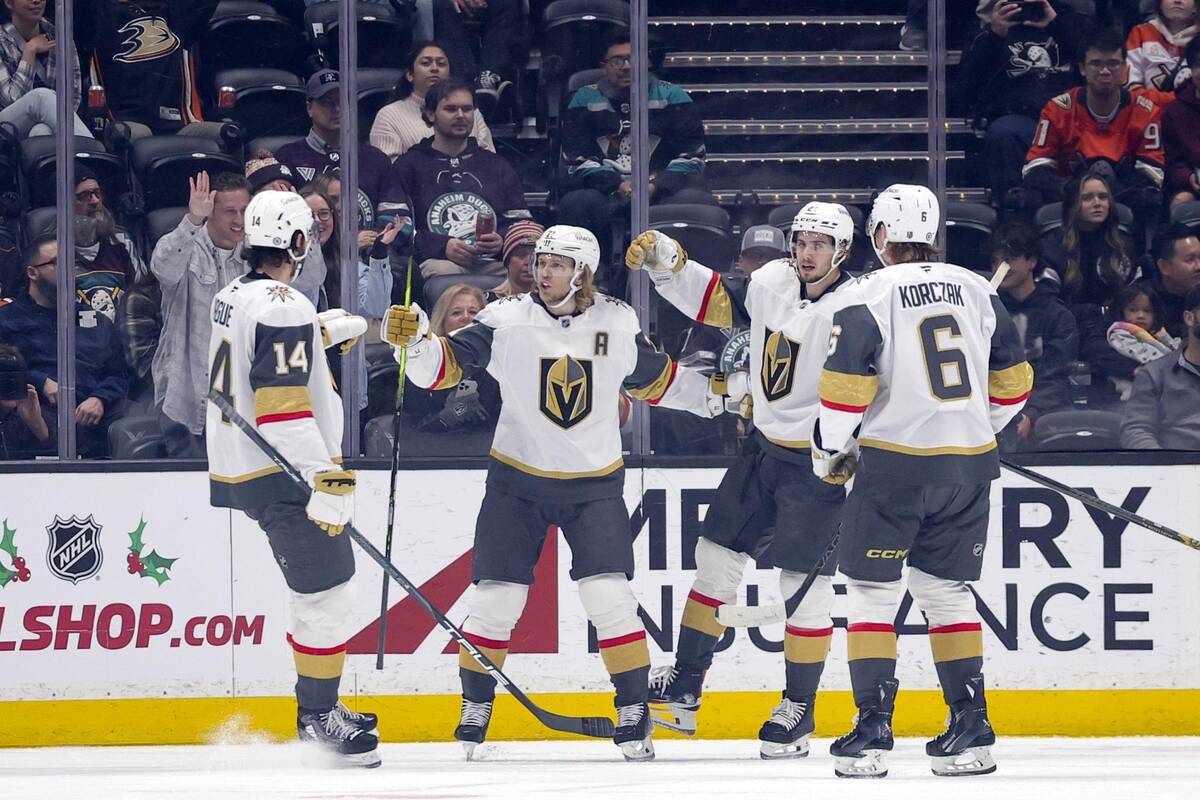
{"x":267,"y":356}
{"x":561,"y":355}
{"x":924,"y":368}
{"x":769,"y":505}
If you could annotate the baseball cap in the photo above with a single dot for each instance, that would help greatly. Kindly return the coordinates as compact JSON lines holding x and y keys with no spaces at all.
{"x":323,"y":82}
{"x":767,"y":236}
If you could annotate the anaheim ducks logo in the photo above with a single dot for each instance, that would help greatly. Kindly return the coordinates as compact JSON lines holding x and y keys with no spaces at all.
{"x":778,"y":365}
{"x":565,"y":390}
{"x":147,"y":38}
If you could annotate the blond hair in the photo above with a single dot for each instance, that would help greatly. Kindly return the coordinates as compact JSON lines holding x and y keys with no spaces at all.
{"x":437,"y":319}
{"x":587,"y":291}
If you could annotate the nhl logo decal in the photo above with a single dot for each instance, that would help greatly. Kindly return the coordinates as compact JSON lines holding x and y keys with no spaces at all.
{"x":74,"y":553}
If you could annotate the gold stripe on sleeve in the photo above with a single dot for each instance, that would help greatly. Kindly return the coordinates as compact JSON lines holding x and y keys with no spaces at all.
{"x":451,"y":372}
{"x":271,"y":400}
{"x":1010,"y":383}
{"x":654,"y":391}
{"x":847,"y":390}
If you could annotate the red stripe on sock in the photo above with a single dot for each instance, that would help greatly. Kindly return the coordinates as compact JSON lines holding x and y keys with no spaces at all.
{"x":483,"y":641}
{"x":315,"y":651}
{"x":266,"y":418}
{"x":704,"y":600}
{"x":812,"y":632}
{"x":619,"y":640}
{"x":958,"y":627}
{"x":871,"y":627}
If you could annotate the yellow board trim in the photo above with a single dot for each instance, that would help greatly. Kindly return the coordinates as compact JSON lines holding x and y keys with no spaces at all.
{"x":726,"y":715}
{"x":846,"y":389}
{"x":1011,"y":382}
{"x":281,"y":400}
{"x":654,"y":391}
{"x":543,"y":473}
{"x":892,"y":447}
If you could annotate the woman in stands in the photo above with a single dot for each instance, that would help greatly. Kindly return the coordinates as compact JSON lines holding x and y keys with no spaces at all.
{"x":1091,"y":262}
{"x":1156,"y":50}
{"x":400,"y":125}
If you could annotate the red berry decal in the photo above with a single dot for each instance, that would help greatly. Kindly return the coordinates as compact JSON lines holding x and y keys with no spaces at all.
{"x":23,"y":575}
{"x":19,"y":563}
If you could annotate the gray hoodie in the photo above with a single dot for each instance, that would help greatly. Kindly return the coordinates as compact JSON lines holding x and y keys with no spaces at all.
{"x":190,"y":271}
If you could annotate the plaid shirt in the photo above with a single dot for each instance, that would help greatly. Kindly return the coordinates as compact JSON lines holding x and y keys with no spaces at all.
{"x":17,"y":78}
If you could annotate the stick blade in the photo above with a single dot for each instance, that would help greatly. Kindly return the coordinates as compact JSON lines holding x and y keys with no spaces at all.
{"x":751,"y":616}
{"x":595,"y":727}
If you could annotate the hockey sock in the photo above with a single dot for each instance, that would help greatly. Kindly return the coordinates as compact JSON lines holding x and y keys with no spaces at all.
{"x":871,"y":642}
{"x":318,"y":674}
{"x":478,"y":685}
{"x":317,"y":633}
{"x":495,"y":607}
{"x":807,"y":634}
{"x":718,"y":575}
{"x":612,"y":608}
{"x":955,"y":634}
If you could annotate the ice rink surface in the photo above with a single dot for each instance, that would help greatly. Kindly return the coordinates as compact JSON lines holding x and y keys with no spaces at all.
{"x":1046,"y":769}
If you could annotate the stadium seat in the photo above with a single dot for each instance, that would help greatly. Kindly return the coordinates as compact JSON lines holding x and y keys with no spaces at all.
{"x":1049,"y":218}
{"x":38,"y":163}
{"x":439,"y":283}
{"x":703,"y":230}
{"x":573,"y":37}
{"x":1187,"y":213}
{"x":163,"y":164}
{"x":269,"y":102}
{"x":38,"y":221}
{"x":270,"y":143}
{"x":375,"y":88}
{"x":384,"y":33}
{"x":136,"y":438}
{"x":246,"y":33}
{"x":1078,"y":429}
{"x":160,"y":222}
{"x":968,"y":226}
{"x":860,"y":252}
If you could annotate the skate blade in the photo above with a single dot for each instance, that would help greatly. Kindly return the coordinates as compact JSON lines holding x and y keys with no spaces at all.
{"x":642,"y":750}
{"x":772,"y":751}
{"x":868,"y":764}
{"x":318,"y":756}
{"x":673,"y":718}
{"x":972,"y":761}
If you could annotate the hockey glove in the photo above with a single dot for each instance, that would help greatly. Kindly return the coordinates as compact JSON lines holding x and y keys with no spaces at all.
{"x":340,"y":327}
{"x":833,"y":466}
{"x":658,"y":253}
{"x":404,"y":326}
{"x":332,"y":499}
{"x":735,"y":387}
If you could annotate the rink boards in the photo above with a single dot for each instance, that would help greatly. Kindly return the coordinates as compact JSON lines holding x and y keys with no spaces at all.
{"x":148,"y":616}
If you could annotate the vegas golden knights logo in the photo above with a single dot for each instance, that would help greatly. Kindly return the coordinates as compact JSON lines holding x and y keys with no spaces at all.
{"x":778,"y":365}
{"x":565,"y":390}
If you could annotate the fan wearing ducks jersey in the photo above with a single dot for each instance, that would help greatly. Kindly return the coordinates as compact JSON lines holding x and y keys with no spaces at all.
{"x":562,"y":354}
{"x":769,"y":506}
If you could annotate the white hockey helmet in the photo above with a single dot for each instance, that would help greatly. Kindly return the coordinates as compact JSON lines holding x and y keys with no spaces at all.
{"x":274,"y":218}
{"x":830,"y":219}
{"x":908,"y":213}
{"x":578,"y":244}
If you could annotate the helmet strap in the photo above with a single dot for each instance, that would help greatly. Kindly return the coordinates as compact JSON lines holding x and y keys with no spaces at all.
{"x":576,"y":285}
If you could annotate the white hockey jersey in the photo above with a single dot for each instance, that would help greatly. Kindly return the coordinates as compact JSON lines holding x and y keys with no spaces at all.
{"x":267,"y":359}
{"x":926,"y":359}
{"x":788,"y":337}
{"x":1155,"y":58}
{"x":558,"y":436}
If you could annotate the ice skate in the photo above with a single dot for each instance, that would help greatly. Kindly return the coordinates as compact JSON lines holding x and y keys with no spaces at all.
{"x":966,"y":746}
{"x":473,"y":725}
{"x":364,"y":721}
{"x":785,"y":734}
{"x":862,"y":753}
{"x":633,"y":732}
{"x":675,"y":698}
{"x":351,"y":746}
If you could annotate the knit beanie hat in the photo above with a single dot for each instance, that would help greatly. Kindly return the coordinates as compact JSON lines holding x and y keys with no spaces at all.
{"x":265,"y":169}
{"x":525,"y":231}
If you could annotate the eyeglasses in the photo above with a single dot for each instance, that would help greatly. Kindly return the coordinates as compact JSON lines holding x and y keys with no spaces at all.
{"x":51,"y":263}
{"x":324,"y":215}
{"x":617,"y":61}
{"x":84,"y":194}
{"x":1112,"y":65}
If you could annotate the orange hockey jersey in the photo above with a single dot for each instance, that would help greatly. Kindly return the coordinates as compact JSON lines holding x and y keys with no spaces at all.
{"x":1067,"y":129}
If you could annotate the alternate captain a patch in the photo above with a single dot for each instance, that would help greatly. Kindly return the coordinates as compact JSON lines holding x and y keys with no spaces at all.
{"x":565,"y":390}
{"x":780,"y":355}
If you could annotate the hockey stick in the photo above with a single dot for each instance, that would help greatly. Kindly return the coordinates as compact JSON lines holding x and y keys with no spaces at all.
{"x":597,"y":727}
{"x":757,"y":616}
{"x":1095,"y":502}
{"x":391,"y":520}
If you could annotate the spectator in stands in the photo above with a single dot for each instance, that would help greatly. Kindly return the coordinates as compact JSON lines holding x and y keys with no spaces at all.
{"x":28,"y":70}
{"x":501,"y":26}
{"x":1100,"y":121}
{"x":456,"y":308}
{"x":1164,"y":409}
{"x":1156,"y":48}
{"x":1046,"y":326}
{"x":1181,"y":135}
{"x":449,"y":180}
{"x":265,"y":172}
{"x":760,"y":244}
{"x":192,"y":263}
{"x":141,"y":56}
{"x":101,"y":377}
{"x":374,"y":274}
{"x":517,"y":253}
{"x":317,"y":153}
{"x":1091,"y":261}
{"x":596,"y":143}
{"x":1009,"y":71}
{"x":1114,"y":343}
{"x":11,"y":271}
{"x":1176,"y":251}
{"x":26,"y":430}
{"x":90,"y":202}
{"x":401,"y":123}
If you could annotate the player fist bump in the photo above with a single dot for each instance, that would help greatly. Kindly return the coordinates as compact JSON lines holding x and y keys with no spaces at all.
{"x":657,"y":252}
{"x":340,"y":327}
{"x":404,"y":326}
{"x":331,"y":501}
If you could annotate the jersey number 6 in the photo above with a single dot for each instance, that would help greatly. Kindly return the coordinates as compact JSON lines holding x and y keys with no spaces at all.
{"x":946,"y":367}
